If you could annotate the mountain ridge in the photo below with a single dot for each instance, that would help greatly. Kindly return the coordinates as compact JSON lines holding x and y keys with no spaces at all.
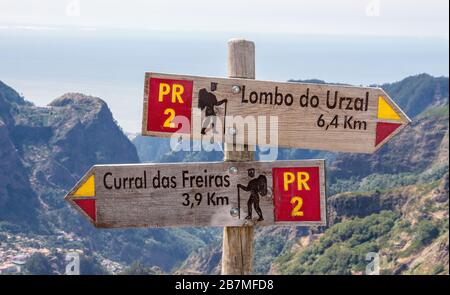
{"x":50,"y":147}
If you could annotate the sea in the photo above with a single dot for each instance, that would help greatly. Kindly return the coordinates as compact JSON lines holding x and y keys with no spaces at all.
{"x":44,"y":63}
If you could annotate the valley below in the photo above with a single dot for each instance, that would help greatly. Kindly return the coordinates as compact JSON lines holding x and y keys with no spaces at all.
{"x":393,"y":203}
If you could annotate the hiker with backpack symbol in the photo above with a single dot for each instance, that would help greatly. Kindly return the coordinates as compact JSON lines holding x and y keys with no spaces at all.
{"x":256,"y":187}
{"x":207,"y":101}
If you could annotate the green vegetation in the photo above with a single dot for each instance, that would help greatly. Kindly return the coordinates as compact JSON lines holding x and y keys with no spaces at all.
{"x":384,"y":182}
{"x":90,"y":266}
{"x":38,"y":264}
{"x":9,"y":227}
{"x":438,"y":269}
{"x":424,"y":232}
{"x":137,"y":268}
{"x":266,"y":248}
{"x":343,"y":248}
{"x":51,"y":145}
{"x":435,"y":112}
{"x":414,"y":94}
{"x":399,"y":236}
{"x":166,"y":248}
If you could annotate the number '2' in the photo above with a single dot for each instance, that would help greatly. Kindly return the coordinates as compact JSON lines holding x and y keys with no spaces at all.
{"x":168,"y":123}
{"x":298,"y":203}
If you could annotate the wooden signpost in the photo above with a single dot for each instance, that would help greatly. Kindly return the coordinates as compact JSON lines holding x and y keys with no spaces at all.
{"x":202,"y":194}
{"x":237,"y":193}
{"x":237,"y":241}
{"x":310,"y":116}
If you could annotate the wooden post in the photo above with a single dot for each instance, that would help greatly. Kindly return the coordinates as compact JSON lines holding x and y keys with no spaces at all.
{"x":237,"y":250}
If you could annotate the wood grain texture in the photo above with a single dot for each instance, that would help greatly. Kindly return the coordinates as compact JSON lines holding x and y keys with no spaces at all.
{"x":237,"y":247}
{"x":237,"y":250}
{"x":241,"y":59}
{"x":297,"y":125}
{"x":136,"y":205}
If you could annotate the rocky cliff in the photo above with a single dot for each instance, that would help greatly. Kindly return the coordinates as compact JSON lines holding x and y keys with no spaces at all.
{"x":44,"y":152}
{"x":394,"y":202}
{"x":18,"y":201}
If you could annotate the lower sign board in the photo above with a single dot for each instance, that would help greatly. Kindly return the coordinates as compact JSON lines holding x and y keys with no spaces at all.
{"x":294,"y":115}
{"x":203,"y":194}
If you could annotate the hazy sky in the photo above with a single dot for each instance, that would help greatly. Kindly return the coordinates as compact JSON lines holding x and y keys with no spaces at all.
{"x":49,"y":47}
{"x":421,"y":18}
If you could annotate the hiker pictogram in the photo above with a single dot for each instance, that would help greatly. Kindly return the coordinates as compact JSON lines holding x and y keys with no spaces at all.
{"x":257,"y":187}
{"x":208,"y":102}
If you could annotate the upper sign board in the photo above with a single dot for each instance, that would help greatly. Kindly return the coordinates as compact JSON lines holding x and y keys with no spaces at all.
{"x":296,"y":115}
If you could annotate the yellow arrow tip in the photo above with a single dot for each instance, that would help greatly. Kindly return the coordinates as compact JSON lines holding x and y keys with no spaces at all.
{"x":385,"y":111}
{"x":87,"y":189}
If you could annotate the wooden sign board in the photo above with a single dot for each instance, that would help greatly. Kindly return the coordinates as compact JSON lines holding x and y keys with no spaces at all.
{"x":203,"y":194}
{"x":310,"y":116}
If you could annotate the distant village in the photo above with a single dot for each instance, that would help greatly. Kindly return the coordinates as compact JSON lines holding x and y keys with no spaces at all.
{"x":17,"y":249}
